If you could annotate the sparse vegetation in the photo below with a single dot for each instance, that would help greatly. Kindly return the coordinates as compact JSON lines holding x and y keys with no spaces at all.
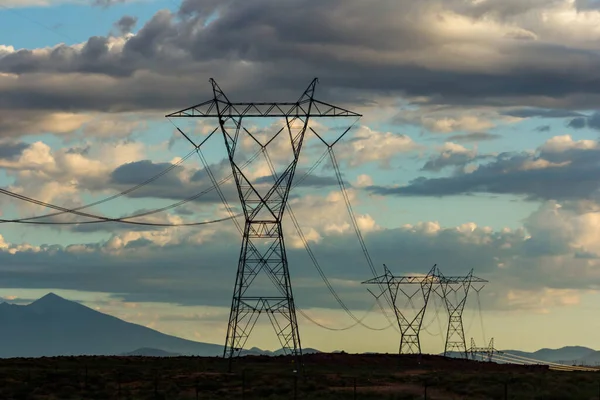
{"x":327,"y":377}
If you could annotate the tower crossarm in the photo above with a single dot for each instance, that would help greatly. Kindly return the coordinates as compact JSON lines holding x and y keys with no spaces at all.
{"x":449,"y":280}
{"x":401,"y":280}
{"x":209,"y":109}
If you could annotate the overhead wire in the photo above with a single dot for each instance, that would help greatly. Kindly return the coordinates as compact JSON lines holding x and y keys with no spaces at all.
{"x":102,"y":219}
{"x":357,"y":230}
{"x":358,"y":321}
{"x":109,"y":198}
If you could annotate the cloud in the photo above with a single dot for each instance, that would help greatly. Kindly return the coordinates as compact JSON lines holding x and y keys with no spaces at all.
{"x":560,"y":169}
{"x":543,"y":128}
{"x":126,"y":24}
{"x":547,"y":249}
{"x":107,"y":3}
{"x":370,"y":146}
{"x":474,"y":137}
{"x":11,"y":150}
{"x":450,"y":155}
{"x":541,"y":113}
{"x":464,"y":55}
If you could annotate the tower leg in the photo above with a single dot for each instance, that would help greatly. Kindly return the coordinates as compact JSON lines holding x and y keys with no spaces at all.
{"x":263,"y":251}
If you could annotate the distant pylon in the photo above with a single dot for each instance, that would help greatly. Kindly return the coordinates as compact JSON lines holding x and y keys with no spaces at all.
{"x":410,"y":326}
{"x":454,"y":291}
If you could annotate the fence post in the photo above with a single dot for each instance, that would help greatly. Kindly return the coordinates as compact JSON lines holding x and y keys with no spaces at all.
{"x":118,"y":386}
{"x":505,"y":390}
{"x":197,"y":390}
{"x":355,"y":388}
{"x":425,"y":390}
{"x":295,"y":387}
{"x":243,"y":384}
{"x":156,"y":386}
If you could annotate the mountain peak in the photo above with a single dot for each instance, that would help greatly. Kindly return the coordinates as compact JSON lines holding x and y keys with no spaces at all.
{"x":53,"y":302}
{"x":50,"y":298}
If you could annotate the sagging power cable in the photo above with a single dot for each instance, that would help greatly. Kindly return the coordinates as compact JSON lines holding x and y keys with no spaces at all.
{"x":358,"y":321}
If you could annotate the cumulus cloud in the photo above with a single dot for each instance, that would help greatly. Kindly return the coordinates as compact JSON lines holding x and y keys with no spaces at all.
{"x":370,"y":146}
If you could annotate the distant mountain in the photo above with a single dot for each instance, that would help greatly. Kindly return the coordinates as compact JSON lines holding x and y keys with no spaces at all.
{"x":53,"y":326}
{"x":567,"y":353}
{"x":592,"y":359}
{"x":147,"y":352}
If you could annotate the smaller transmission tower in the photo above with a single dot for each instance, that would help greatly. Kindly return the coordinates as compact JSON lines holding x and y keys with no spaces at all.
{"x":483,"y":351}
{"x":454,"y":292}
{"x":410,"y":327}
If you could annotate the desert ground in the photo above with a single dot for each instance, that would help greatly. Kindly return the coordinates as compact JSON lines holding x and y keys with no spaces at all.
{"x":324,"y":376}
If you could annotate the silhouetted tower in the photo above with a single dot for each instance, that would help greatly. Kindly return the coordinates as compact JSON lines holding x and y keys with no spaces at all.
{"x":483,"y":351}
{"x":410,"y":326}
{"x":454,"y":292}
{"x":263,"y":246}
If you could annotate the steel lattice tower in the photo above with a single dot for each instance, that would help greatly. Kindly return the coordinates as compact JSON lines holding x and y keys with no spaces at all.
{"x":263,"y":245}
{"x":410,"y":327}
{"x":457,"y":287}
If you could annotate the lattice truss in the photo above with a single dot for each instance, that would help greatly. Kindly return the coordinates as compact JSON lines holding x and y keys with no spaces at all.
{"x":477,"y":353}
{"x":453,"y":291}
{"x":410,"y":289}
{"x":263,"y":284}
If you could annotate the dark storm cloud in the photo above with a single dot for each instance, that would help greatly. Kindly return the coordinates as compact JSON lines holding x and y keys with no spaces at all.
{"x":541,"y":113}
{"x":264,"y":49}
{"x":12,"y":149}
{"x":592,"y":122}
{"x":573,"y":176}
{"x":577,"y":123}
{"x":126,"y":24}
{"x":543,"y":128}
{"x":170,"y":185}
{"x":203,"y":274}
{"x":474,"y":137}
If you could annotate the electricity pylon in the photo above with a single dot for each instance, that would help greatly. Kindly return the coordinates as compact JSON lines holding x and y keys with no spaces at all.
{"x":482,"y":351}
{"x":454,"y":292}
{"x":410,"y":327}
{"x":263,"y":245}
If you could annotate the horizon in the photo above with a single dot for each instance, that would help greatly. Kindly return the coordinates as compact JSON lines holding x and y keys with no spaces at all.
{"x":476,"y":149}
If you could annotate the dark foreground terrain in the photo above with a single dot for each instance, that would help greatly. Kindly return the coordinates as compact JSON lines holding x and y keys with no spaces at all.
{"x":328,"y":376}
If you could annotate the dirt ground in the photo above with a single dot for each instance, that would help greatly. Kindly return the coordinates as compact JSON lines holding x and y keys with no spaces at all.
{"x":324,"y":376}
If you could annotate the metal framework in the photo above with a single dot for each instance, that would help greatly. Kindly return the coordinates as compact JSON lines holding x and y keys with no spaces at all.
{"x":263,"y":246}
{"x":410,"y":327}
{"x":454,"y":292}
{"x":483,"y":351}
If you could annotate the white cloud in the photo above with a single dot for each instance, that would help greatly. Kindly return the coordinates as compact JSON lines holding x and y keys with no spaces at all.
{"x":368,"y":146}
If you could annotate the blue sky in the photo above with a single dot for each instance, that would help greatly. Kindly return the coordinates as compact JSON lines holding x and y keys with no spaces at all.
{"x":475,"y":150}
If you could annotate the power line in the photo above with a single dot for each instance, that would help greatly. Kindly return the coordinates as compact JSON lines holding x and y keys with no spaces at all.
{"x":53,"y":30}
{"x":106,"y":199}
{"x":358,"y":321}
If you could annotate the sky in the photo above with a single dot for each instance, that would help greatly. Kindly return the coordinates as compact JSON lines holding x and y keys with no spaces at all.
{"x":477,"y":149}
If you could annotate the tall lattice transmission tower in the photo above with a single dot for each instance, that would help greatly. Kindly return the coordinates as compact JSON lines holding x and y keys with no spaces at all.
{"x":263,"y":246}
